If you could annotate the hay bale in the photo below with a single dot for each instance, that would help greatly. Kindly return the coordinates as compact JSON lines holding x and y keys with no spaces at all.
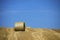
{"x":19,"y":26}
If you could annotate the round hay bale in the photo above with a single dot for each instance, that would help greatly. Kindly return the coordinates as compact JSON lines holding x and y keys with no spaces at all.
{"x":19,"y":26}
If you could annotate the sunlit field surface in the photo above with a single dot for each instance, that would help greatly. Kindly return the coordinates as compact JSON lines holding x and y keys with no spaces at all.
{"x":29,"y":34}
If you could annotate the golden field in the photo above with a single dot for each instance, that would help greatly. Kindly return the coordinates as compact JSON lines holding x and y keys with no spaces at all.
{"x":29,"y":34}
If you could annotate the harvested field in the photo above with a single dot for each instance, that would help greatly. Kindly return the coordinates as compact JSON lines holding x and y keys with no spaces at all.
{"x":29,"y":34}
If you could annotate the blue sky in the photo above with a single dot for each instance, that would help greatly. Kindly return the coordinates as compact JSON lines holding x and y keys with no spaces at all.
{"x":35,"y":13}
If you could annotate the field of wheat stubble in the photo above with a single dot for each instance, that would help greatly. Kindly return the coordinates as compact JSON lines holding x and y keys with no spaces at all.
{"x":29,"y":34}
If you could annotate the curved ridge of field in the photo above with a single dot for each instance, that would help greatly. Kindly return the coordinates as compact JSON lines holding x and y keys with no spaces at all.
{"x":29,"y":34}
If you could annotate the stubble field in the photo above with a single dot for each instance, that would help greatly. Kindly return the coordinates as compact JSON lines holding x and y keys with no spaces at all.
{"x":29,"y":34}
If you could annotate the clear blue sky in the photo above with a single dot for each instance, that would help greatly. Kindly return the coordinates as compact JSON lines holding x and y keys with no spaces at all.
{"x":35,"y":13}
